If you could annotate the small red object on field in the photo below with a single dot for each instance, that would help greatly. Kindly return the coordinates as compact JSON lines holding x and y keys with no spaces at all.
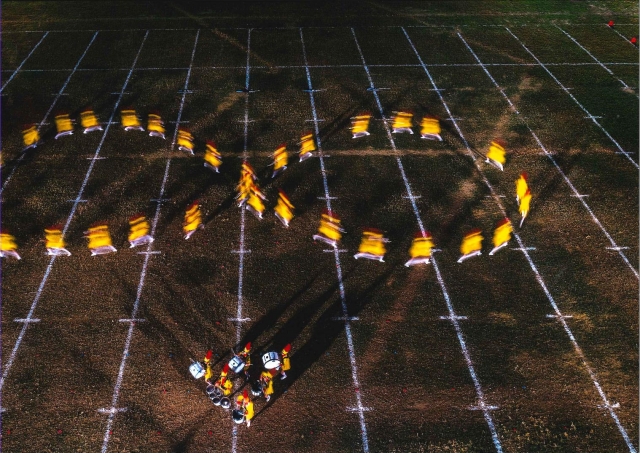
{"x":59,"y":431}
{"x":210,"y":433}
{"x":634,"y":41}
{"x":611,"y":24}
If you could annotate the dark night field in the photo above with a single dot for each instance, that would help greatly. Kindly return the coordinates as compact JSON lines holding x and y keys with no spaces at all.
{"x":534,"y":349}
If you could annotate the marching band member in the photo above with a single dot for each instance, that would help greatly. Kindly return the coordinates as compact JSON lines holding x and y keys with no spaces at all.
{"x":30,"y":136}
{"x":99,"y":239}
{"x":244,"y":190}
{"x":207,"y":363}
{"x":471,"y":245}
{"x":430,"y":128}
{"x":245,"y":354}
{"x":524,"y":205}
{"x":54,"y":242}
{"x":329,"y":230}
{"x":139,"y":231}
{"x":360,"y":125}
{"x":307,"y":146}
{"x":372,"y":245}
{"x":244,"y":402}
{"x":192,"y":220}
{"x":8,"y":246}
{"x":89,"y":121}
{"x":247,"y":171}
{"x":155,"y":125}
{"x":496,"y":154}
{"x":402,"y":122}
{"x":185,"y":141}
{"x":521,"y":186}
{"x":212,"y":158}
{"x":280,"y":159}
{"x":254,"y":202}
{"x":420,"y":250}
{"x":64,"y":126}
{"x":223,"y":382}
{"x":130,"y":120}
{"x":284,"y":208}
{"x":286,"y":361}
{"x":266,"y":379}
{"x":501,"y":235}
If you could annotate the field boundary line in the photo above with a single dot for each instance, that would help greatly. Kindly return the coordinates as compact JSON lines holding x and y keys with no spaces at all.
{"x":594,"y":58}
{"x":555,"y":164}
{"x":595,"y":121}
{"x":538,"y":276}
{"x":359,"y":408}
{"x":453,"y":317}
{"x":620,"y":34}
{"x":134,"y":312}
{"x":23,"y":62}
{"x":23,"y":154}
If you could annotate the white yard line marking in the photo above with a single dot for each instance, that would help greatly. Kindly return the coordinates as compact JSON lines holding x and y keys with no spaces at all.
{"x":539,"y":278}
{"x":555,"y":164}
{"x":132,"y":320}
{"x":620,"y":34}
{"x":594,"y":58}
{"x":453,"y":317}
{"x":23,"y":62}
{"x":8,"y":365}
{"x":595,"y":121}
{"x":13,"y":170}
{"x":359,"y":408}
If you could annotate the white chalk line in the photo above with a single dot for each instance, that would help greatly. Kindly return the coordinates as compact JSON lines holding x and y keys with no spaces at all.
{"x":23,"y":62}
{"x":452,"y":314}
{"x":620,"y":34}
{"x":17,"y":164}
{"x":595,"y":121}
{"x":555,"y":164}
{"x":8,"y":365}
{"x":539,"y":278}
{"x":360,"y":408}
{"x":133,"y":318}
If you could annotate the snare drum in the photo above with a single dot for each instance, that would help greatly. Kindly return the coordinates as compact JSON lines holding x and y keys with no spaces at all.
{"x":216,"y":400}
{"x":211,"y":391}
{"x":196,"y":370}
{"x":236,"y":364}
{"x":256,"y":388}
{"x":225,"y":402}
{"x":271,"y":360}
{"x":238,"y":416}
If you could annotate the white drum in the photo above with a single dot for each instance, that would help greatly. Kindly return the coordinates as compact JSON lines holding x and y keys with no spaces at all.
{"x":196,"y":370}
{"x":238,"y":416}
{"x":271,"y":360}
{"x":236,"y":364}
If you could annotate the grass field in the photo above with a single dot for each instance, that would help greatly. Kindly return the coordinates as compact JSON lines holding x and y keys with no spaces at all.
{"x":534,"y":349}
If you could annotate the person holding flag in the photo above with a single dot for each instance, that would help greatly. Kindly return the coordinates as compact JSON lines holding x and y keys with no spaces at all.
{"x":420,"y":250}
{"x":471,"y":245}
{"x":280,"y":159}
{"x":284,"y":208}
{"x":497,"y":154}
{"x":501,"y":235}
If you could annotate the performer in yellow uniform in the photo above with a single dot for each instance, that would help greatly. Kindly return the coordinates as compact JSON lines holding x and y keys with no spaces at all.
{"x":307,"y":146}
{"x":139,"y":231}
{"x":402,"y":122}
{"x":8,"y":246}
{"x":360,"y":125}
{"x":207,"y":363}
{"x":284,"y":208}
{"x":430,"y":128}
{"x":524,"y":205}
{"x":212,"y":158}
{"x":192,"y":220}
{"x":521,"y":186}
{"x":245,"y":354}
{"x":64,"y":126}
{"x":54,"y":242}
{"x":471,"y":245}
{"x":99,"y":239}
{"x":247,"y":407}
{"x":266,"y":379}
{"x":420,"y":250}
{"x":286,"y":361}
{"x":89,"y":121}
{"x":185,"y":141}
{"x":501,"y":235}
{"x":280,"y":159}
{"x":372,"y":245}
{"x":223,"y":382}
{"x":30,"y":136}
{"x":329,"y":230}
{"x":155,"y":125}
{"x":254,"y":202}
{"x":496,"y":154}
{"x":130,"y":120}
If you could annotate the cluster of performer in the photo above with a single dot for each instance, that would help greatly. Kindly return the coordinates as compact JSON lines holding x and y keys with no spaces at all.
{"x":223,"y":388}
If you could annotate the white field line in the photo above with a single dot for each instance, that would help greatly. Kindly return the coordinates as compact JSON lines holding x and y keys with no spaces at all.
{"x":7,"y":366}
{"x":452,"y":314}
{"x":23,"y":62}
{"x":113,"y":409}
{"x":241,"y":252}
{"x":539,"y":279}
{"x":595,"y":121}
{"x":594,"y":58}
{"x":555,"y":164}
{"x":13,"y":170}
{"x":359,"y":408}
{"x":621,"y":35}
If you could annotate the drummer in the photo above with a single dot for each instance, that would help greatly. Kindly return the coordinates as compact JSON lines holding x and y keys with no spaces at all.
{"x":223,"y":382}
{"x":286,"y":361}
{"x":244,"y":403}
{"x":266,"y":379}
{"x":207,"y":363}
{"x":245,"y":354}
